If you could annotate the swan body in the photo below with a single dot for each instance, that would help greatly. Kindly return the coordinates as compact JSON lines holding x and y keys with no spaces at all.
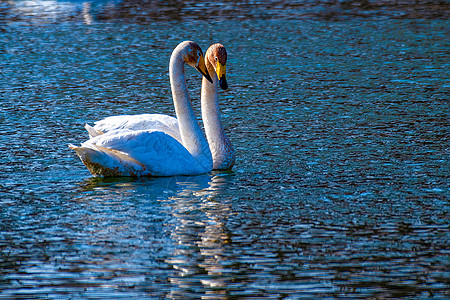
{"x":153,"y":152}
{"x":220,"y":146}
{"x":138,"y":153}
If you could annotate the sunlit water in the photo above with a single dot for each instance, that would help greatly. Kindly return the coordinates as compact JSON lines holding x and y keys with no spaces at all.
{"x":340,"y":118}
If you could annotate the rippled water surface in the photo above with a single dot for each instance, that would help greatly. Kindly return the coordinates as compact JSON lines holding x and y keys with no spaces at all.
{"x":339,"y":113}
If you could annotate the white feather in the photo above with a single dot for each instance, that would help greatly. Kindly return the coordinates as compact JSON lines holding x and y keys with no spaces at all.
{"x":157,"y":122}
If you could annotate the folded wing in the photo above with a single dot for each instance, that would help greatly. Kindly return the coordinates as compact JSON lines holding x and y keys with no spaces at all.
{"x":137,"y":153}
{"x":156,"y":122}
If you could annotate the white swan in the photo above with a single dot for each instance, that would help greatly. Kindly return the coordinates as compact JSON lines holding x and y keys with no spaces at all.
{"x":221,"y":149}
{"x":151,"y":152}
{"x":220,"y":146}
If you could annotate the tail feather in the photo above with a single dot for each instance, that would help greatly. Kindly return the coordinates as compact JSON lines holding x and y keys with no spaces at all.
{"x":92,"y":131}
{"x":101,"y":161}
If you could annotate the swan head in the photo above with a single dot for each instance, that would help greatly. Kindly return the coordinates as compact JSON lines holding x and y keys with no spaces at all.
{"x":216,"y":56}
{"x":194,"y":57}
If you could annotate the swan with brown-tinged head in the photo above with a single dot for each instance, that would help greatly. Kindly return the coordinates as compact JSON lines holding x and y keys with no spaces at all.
{"x":149,"y":151}
{"x":221,"y":149}
{"x":220,"y":146}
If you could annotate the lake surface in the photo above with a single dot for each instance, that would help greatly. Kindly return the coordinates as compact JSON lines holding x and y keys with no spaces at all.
{"x":339,"y":113}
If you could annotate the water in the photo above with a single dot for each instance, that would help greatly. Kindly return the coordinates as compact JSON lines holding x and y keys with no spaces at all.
{"x":339,"y":114}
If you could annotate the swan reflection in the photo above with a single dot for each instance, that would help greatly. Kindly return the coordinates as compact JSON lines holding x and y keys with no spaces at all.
{"x":201,"y":237}
{"x":178,"y":221}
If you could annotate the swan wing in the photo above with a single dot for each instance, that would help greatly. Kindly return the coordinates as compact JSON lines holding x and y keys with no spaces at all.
{"x":137,"y":153}
{"x":157,"y":122}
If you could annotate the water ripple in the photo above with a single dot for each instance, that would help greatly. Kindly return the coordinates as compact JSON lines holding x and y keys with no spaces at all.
{"x":340,"y":123}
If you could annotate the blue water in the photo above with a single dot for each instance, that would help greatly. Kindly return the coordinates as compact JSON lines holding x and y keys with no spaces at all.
{"x":339,"y":113}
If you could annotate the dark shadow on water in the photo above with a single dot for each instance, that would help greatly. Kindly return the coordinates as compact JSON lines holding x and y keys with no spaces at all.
{"x":172,"y":182}
{"x":90,"y":184}
{"x":147,"y":12}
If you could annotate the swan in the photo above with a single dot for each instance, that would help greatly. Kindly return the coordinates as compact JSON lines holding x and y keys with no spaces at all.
{"x":221,"y":149}
{"x":152,"y":152}
{"x":219,"y":144}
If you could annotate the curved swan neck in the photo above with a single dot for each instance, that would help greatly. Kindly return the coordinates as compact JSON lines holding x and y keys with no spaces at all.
{"x":191,"y":135}
{"x":219,"y":144}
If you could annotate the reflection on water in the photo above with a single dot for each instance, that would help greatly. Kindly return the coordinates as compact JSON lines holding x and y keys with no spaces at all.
{"x":201,"y":236}
{"x":39,"y":12}
{"x":99,"y":239}
{"x":339,"y":115}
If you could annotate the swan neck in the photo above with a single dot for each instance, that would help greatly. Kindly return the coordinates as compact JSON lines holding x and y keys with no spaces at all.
{"x":219,"y":144}
{"x":191,"y":135}
{"x":210,"y":107}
